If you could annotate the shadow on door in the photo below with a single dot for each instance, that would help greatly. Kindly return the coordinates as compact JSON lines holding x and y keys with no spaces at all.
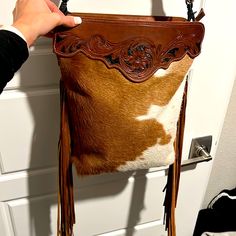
{"x":46,"y":128}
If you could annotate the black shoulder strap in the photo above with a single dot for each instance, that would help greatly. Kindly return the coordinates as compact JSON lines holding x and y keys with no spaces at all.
{"x":63,"y":7}
{"x":190,"y":13}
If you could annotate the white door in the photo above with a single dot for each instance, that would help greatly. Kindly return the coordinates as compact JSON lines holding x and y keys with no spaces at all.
{"x":116,"y":204}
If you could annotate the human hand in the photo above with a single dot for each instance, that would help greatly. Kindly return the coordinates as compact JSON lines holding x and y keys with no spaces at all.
{"x":34,"y":18}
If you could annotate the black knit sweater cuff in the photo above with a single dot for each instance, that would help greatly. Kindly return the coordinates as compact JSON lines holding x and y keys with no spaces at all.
{"x":13,"y":53}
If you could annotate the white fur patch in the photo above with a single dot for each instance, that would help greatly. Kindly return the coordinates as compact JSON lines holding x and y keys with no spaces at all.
{"x":161,"y":73}
{"x":160,"y":155}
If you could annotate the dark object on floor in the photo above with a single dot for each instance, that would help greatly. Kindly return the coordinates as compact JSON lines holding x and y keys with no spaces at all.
{"x":220,"y":216}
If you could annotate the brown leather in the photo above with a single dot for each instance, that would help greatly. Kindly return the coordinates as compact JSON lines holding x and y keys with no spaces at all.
{"x":173,"y":180}
{"x":119,"y":40}
{"x":111,"y":86}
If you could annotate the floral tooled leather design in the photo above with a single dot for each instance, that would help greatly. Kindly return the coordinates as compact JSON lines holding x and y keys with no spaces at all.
{"x":137,"y":58}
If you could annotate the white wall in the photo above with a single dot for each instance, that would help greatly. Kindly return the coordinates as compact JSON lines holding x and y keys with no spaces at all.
{"x":223,"y":175}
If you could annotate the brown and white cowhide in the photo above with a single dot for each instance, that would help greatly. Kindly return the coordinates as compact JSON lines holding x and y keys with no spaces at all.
{"x":118,"y":125}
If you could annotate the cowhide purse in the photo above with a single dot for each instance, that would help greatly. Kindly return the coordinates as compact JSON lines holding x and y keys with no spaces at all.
{"x":123,"y":96}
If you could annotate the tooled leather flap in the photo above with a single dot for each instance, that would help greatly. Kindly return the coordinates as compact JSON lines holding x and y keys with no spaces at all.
{"x":137,"y":46}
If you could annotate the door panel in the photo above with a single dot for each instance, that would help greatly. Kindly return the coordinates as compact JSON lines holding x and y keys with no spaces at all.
{"x":3,"y":221}
{"x":29,"y":129}
{"x":24,"y":184}
{"x":151,"y":229}
{"x":40,"y":70}
{"x":98,"y":207}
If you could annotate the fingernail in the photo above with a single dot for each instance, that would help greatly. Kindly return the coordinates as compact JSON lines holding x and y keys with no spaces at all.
{"x":77,"y":20}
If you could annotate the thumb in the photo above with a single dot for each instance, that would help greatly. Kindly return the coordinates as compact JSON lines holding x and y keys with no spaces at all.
{"x":71,"y":21}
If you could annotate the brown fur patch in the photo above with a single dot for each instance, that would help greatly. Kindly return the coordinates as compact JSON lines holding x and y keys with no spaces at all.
{"x":103,"y":106}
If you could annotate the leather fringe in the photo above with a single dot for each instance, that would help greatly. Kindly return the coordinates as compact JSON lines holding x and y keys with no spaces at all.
{"x":172,"y":186}
{"x":66,"y":214}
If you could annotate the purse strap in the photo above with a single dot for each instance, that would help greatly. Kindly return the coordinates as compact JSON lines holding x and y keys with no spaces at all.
{"x":189,"y":3}
{"x":190,"y":12}
{"x":63,"y":7}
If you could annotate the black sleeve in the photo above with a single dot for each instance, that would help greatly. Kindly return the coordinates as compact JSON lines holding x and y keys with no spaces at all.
{"x":13,"y":53}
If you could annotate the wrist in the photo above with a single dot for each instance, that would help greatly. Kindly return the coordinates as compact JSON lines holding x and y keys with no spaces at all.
{"x":27,"y":33}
